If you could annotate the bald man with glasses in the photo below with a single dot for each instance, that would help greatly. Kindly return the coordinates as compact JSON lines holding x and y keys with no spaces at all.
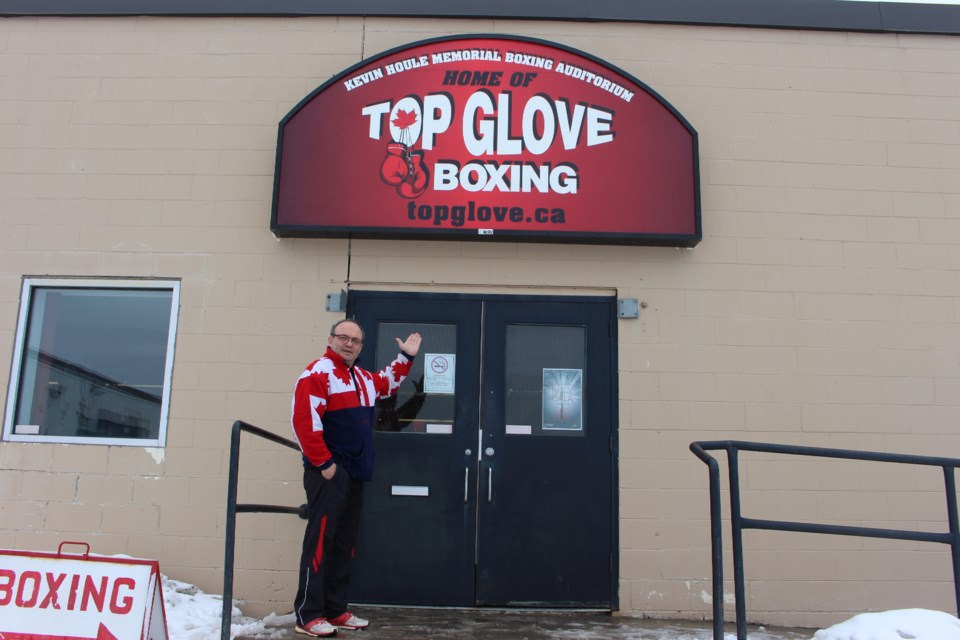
{"x":333,"y":407}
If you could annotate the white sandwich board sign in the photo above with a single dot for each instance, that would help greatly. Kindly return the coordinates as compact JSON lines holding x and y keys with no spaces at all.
{"x":47,"y":596}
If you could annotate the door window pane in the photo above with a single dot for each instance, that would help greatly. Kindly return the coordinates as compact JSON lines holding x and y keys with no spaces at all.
{"x":545,"y":380}
{"x":425,"y":401}
{"x":93,"y":362}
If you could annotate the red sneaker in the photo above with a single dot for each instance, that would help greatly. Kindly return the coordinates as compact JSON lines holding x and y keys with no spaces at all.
{"x":347,"y":620}
{"x":319,"y":628}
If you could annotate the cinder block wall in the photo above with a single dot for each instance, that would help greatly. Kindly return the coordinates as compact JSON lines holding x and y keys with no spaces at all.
{"x":820,"y":308}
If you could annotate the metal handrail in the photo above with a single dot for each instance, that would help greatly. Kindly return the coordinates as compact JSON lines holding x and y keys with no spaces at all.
{"x":738,"y":522}
{"x":233,"y":509}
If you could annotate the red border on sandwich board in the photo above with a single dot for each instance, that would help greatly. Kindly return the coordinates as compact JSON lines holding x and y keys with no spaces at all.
{"x":18,"y":621}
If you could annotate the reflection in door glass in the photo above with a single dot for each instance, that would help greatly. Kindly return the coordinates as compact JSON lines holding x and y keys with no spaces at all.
{"x":425,"y":401}
{"x":545,"y":380}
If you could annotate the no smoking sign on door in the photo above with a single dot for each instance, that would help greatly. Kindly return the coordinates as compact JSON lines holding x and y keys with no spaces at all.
{"x":439,"y":373}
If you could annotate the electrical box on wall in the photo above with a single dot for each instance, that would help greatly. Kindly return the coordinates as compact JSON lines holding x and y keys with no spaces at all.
{"x":628,"y":308}
{"x":337,"y":302}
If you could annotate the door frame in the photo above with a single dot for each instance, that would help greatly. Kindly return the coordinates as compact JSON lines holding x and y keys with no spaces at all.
{"x":354,"y":295}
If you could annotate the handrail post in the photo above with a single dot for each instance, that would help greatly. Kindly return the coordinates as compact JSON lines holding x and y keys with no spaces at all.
{"x":949,"y":481}
{"x":716,"y":537}
{"x":716,"y":548}
{"x":736,"y":527}
{"x":230,"y":533}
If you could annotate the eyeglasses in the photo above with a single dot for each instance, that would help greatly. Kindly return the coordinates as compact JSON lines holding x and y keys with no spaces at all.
{"x":347,"y":339}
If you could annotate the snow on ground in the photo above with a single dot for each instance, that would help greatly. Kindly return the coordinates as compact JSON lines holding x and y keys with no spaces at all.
{"x":195,"y":615}
{"x":920,"y":624}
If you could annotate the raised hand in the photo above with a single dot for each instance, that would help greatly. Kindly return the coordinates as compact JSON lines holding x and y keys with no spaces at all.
{"x":411,"y":345}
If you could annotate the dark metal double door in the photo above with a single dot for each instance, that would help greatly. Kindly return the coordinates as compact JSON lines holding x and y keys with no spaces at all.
{"x":494,"y":479}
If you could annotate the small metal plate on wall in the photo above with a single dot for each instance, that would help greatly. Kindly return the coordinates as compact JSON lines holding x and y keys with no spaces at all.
{"x":337,"y":302}
{"x":628,"y":308}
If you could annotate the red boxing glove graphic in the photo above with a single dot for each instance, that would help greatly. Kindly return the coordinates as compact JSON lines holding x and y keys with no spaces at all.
{"x":417,"y":177}
{"x":394,"y":169}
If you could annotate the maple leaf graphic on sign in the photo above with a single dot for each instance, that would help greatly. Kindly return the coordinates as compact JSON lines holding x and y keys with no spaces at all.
{"x":404,"y":119}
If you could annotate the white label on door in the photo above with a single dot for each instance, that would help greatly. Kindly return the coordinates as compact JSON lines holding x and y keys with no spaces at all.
{"x":407,"y":490}
{"x":519,"y":429}
{"x":440,"y":428}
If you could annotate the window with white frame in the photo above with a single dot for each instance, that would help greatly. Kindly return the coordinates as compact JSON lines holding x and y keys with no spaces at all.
{"x":93,"y":361}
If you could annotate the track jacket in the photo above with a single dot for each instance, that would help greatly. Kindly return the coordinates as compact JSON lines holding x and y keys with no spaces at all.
{"x":333,"y":409}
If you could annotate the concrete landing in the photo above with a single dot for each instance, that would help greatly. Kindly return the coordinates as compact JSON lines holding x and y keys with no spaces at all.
{"x":388,"y":623}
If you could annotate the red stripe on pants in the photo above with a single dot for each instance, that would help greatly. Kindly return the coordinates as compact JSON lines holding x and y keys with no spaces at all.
{"x":318,"y":554}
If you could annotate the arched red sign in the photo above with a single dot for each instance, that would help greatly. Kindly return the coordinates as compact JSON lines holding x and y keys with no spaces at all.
{"x":487,"y":137}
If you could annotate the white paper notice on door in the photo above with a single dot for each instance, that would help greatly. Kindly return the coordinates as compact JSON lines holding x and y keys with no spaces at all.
{"x":439,"y":373}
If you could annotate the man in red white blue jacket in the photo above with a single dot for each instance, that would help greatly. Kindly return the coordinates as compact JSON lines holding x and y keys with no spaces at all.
{"x":333,"y":407}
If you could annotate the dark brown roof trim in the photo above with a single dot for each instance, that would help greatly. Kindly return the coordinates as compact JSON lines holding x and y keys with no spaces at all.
{"x":784,"y":14}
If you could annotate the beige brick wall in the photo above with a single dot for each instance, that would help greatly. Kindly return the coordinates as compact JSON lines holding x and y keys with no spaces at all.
{"x":820,"y":308}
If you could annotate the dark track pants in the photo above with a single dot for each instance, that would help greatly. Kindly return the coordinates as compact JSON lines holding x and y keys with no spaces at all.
{"x":333,"y":523}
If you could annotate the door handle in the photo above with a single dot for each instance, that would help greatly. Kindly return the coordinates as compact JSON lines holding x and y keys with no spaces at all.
{"x":489,"y":485}
{"x":466,"y":484}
